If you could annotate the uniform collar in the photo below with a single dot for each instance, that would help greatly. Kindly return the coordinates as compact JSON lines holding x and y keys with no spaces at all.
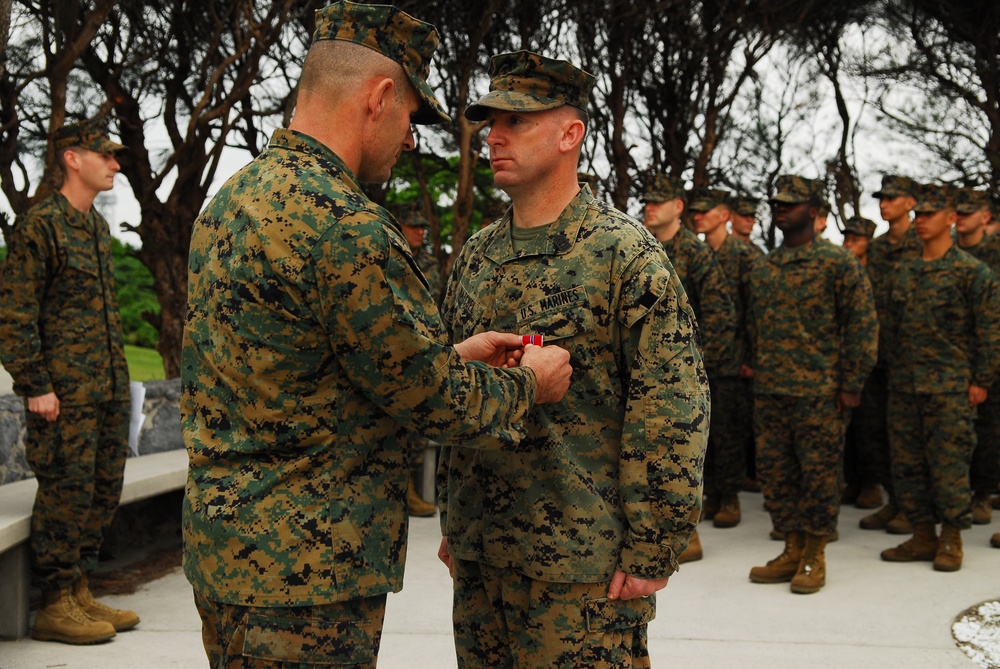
{"x":559,"y":239}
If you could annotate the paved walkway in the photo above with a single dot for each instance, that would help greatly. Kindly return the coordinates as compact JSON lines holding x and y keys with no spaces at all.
{"x":871,"y":614}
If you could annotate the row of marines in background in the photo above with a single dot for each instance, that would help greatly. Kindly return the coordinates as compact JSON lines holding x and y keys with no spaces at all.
{"x":925,"y":291}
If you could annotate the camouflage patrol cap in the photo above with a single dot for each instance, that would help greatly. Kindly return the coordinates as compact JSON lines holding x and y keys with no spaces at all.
{"x":525,"y":81}
{"x":933,"y":197}
{"x":396,"y":35}
{"x":970,"y":200}
{"x":91,"y":134}
{"x":792,"y":189}
{"x":824,"y":208}
{"x":744,"y":205}
{"x":412,"y":214}
{"x":894,"y":185}
{"x":663,"y":188}
{"x":860,"y":226}
{"x":705,"y":199}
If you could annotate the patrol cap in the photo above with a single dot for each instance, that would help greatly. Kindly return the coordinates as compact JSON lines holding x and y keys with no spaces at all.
{"x":705,"y":199}
{"x":824,"y":208}
{"x":860,"y":226}
{"x":970,"y":200}
{"x":526,"y":81}
{"x":792,"y":189}
{"x":933,"y":197}
{"x":412,"y":214}
{"x":663,"y":188}
{"x":894,"y":185}
{"x":744,"y":205}
{"x":393,"y":33}
{"x":91,"y":134}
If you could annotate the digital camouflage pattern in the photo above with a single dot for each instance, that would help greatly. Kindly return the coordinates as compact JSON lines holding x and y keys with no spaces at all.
{"x":544,"y":625}
{"x":525,"y":81}
{"x":970,"y":200}
{"x":985,"y":474}
{"x":312,"y":348}
{"x":706,"y":199}
{"x":744,"y":205}
{"x":813,"y":332}
{"x":813,"y":326}
{"x":708,"y":291}
{"x":59,"y":320}
{"x":860,"y":226}
{"x":91,"y":134}
{"x":943,"y":328}
{"x":345,"y":634}
{"x":732,"y":421}
{"x":79,"y":463}
{"x":894,"y":185}
{"x":396,"y":35}
{"x":884,"y":257}
{"x":800,"y":443}
{"x":931,"y":439}
{"x":934,"y":197}
{"x":610,"y":478}
{"x":794,"y":189}
{"x":663,"y":188}
{"x":61,"y":332}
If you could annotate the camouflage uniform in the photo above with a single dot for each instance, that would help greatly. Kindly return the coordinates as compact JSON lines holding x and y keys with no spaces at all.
{"x":61,"y":332}
{"x":312,"y":347}
{"x":862,"y":465}
{"x":744,"y":205}
{"x":607,"y":479}
{"x":813,"y":334}
{"x":725,"y":462}
{"x":944,"y":335}
{"x":985,"y":469}
{"x":884,"y":258}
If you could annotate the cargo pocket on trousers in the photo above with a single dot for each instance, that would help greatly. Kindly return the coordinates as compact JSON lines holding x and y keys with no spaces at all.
{"x":618,"y":615}
{"x":319,"y":642}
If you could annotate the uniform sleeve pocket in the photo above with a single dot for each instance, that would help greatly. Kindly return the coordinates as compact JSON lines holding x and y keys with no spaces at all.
{"x":318,"y":642}
{"x":604,"y":615}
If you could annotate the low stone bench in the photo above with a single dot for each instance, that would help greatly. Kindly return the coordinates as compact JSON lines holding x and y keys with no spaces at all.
{"x":145,"y":476}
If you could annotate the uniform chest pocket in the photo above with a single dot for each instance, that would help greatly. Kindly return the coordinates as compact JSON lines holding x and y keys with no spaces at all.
{"x":413,"y":307}
{"x":81,"y":263}
{"x":572,"y":326}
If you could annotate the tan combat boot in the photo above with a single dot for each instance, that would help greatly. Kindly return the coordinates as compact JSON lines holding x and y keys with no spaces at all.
{"x":782,"y":568}
{"x":922,"y":546}
{"x":899,"y":525}
{"x":870,"y":497}
{"x":710,"y":506}
{"x":881,"y":518}
{"x":995,"y":540}
{"x":982,"y":509}
{"x":416,"y":504}
{"x":60,"y":619}
{"x":693,"y":552}
{"x":949,"y":551}
{"x":811,"y":574}
{"x":728,"y":514}
{"x":120,"y":619}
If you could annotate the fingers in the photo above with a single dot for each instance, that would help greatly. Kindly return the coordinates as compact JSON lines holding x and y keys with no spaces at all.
{"x":615,"y":587}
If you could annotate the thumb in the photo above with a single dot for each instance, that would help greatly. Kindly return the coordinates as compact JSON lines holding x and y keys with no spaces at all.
{"x":617,"y":582}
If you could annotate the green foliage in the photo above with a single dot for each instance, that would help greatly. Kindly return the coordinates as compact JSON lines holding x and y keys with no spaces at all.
{"x":135,"y":296}
{"x":3,"y":253}
{"x":144,"y":364}
{"x":441,"y":175}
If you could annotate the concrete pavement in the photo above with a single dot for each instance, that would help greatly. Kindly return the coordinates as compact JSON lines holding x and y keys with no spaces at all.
{"x":870,"y":614}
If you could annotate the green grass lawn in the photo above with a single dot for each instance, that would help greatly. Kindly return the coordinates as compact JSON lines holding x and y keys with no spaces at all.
{"x":144,"y":364}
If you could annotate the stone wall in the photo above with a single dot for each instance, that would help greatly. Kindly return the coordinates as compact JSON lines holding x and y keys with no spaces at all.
{"x":161,"y":430}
